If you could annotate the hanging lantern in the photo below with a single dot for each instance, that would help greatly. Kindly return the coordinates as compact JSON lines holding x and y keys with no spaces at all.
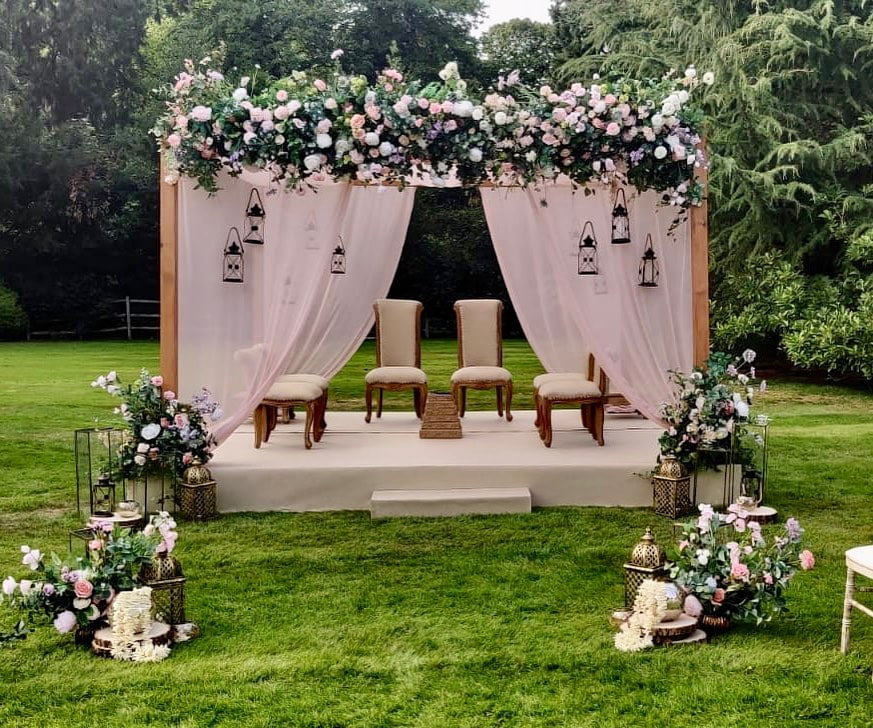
{"x":587,"y":256}
{"x":620,"y":220}
{"x":103,"y":496}
{"x":234,"y":265}
{"x":649,"y":269}
{"x":338,"y":259}
{"x":646,"y":562}
{"x":255,"y":219}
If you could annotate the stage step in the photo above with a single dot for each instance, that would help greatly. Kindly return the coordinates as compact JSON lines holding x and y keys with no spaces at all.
{"x":449,"y":502}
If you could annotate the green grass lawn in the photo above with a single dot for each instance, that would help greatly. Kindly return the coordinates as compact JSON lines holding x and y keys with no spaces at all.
{"x":329,"y":619}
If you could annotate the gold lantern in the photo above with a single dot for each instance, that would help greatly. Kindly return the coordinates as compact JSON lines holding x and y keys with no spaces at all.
{"x":671,"y":495}
{"x":164,"y":575}
{"x":647,"y":561}
{"x":197,"y":492}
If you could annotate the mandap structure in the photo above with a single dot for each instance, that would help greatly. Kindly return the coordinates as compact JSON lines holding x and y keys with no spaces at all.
{"x":285,"y":203}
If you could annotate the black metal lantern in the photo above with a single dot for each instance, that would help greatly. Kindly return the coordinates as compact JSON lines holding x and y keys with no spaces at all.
{"x":587,"y":256}
{"x":649,"y":270}
{"x":620,"y":219}
{"x":103,"y":495}
{"x":338,"y":259}
{"x":234,"y":263}
{"x":255,"y":219}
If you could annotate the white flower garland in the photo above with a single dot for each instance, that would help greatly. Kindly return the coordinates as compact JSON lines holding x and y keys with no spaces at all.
{"x":130,"y":618}
{"x":650,"y":605}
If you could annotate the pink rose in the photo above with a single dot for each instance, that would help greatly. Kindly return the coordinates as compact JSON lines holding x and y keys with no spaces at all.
{"x":320,"y":85}
{"x":357,"y":121}
{"x":95,"y":544}
{"x":158,"y":381}
{"x":187,"y":458}
{"x":807,"y":560}
{"x":174,"y":140}
{"x":451,"y":125}
{"x":612,"y":129}
{"x":181,"y":420}
{"x":65,"y":621}
{"x":168,"y":395}
{"x":559,"y":115}
{"x":423,"y":103}
{"x":182,"y":122}
{"x":609,"y":99}
{"x":83,"y":588}
{"x":282,"y":95}
{"x":435,"y":107}
{"x":739,"y":571}
{"x":448,"y":107}
{"x":165,"y":423}
{"x":719,"y":595}
{"x":768,"y":578}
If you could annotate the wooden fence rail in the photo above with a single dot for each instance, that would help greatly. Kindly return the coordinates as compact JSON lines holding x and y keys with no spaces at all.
{"x":130,"y":319}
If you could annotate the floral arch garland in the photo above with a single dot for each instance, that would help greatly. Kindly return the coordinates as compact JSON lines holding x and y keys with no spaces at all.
{"x":301,"y":128}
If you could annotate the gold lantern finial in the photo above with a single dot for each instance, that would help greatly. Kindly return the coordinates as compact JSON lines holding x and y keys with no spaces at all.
{"x":196,"y":473}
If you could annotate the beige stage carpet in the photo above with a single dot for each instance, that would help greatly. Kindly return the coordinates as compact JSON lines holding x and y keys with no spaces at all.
{"x":354,"y":459}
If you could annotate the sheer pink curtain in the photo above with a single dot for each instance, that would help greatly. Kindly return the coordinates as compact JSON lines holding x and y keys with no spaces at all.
{"x":637,"y":334}
{"x":291,"y":313}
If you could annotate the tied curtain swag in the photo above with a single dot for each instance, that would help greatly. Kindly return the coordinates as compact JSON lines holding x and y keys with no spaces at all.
{"x":292,"y":315}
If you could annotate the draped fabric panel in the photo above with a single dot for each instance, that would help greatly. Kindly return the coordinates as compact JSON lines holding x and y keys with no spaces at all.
{"x":290,"y":313}
{"x":636,"y":334}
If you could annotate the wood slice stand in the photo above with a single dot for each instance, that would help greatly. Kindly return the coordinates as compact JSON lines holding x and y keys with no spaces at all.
{"x":675,"y":631}
{"x":440,"y":421}
{"x":158,"y":634}
{"x":134,"y":521}
{"x":763,"y":514}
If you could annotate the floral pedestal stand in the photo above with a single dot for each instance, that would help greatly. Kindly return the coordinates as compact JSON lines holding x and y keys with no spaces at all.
{"x":679,"y":631}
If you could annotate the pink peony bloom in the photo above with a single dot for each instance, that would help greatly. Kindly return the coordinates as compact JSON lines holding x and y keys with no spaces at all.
{"x":201,"y":113}
{"x":83,"y":588}
{"x":768,"y":578}
{"x":65,"y":622}
{"x":807,"y":560}
{"x":423,"y":103}
{"x":281,"y":95}
{"x":158,"y":381}
{"x":357,"y":121}
{"x":320,"y":85}
{"x":612,"y":129}
{"x":435,"y":107}
{"x":174,"y":140}
{"x":739,"y":571}
{"x":168,"y":395}
{"x":448,"y":107}
{"x":692,"y":606}
{"x":559,"y":115}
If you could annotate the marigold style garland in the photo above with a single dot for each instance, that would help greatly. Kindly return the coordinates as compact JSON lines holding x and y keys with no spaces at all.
{"x":308,"y":128}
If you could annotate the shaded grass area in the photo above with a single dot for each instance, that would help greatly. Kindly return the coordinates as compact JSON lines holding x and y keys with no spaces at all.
{"x":330,"y":619}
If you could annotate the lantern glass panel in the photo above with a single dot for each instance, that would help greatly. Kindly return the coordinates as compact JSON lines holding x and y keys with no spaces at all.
{"x":255,"y":219}
{"x":234,"y":263}
{"x":587,"y":256}
{"x":97,"y":453}
{"x":650,"y":272}
{"x":338,"y":261}
{"x":620,"y":220}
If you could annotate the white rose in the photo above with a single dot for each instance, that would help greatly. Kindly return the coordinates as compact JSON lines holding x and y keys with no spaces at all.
{"x":461,"y":85}
{"x":599,"y":107}
{"x":279,"y":139}
{"x":668,"y":108}
{"x":478,"y":113}
{"x":240,"y":94}
{"x":342,"y":146}
{"x":370,"y":98}
{"x":139,"y":459}
{"x":657,"y":121}
{"x":464,"y":109}
{"x":475,"y":155}
{"x":708,"y":78}
{"x":386,"y":149}
{"x":371,"y":138}
{"x":9,"y":586}
{"x":742,"y":409}
{"x":323,"y":141}
{"x":150,"y":431}
{"x":531,"y":156}
{"x":142,"y":447}
{"x":683,"y":96}
{"x":660,"y":152}
{"x":444,"y":75}
{"x":500,"y":118}
{"x":312,"y":162}
{"x":330,"y":103}
{"x":690,"y":72}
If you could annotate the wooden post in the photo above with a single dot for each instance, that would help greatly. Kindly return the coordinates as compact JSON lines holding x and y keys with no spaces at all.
{"x":700,"y":275}
{"x":169,"y":257}
{"x":127,"y":317}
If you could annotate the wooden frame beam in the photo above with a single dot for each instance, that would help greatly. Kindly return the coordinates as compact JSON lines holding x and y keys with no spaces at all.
{"x":169,"y":262}
{"x":700,"y":275}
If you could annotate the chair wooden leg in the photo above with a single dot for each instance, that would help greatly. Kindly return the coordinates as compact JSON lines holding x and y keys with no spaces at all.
{"x":462,"y":401}
{"x":259,"y":419}
{"x":536,"y":395}
{"x":499,"y":391}
{"x":292,"y":415}
{"x":271,"y":416}
{"x":423,"y":398}
{"x":324,"y":411}
{"x":547,"y":422}
{"x":586,"y":413}
{"x":318,"y":422}
{"x":379,"y":406}
{"x":598,"y":415}
{"x":416,"y":402}
{"x":307,"y":428}
{"x":368,"y":396}
{"x":847,"y":611}
{"x":538,"y":403}
{"x":509,"y":402}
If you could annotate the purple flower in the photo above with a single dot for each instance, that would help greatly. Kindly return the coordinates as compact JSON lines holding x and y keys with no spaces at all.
{"x":793,"y":528}
{"x":48,"y":589}
{"x":636,"y":156}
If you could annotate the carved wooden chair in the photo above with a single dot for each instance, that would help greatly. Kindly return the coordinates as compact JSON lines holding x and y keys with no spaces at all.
{"x":398,"y":354}
{"x":480,"y":353}
{"x":589,"y":391}
{"x":291,"y":394}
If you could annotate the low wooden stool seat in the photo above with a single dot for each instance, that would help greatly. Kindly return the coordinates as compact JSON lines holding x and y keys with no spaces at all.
{"x":291,"y":394}
{"x":315,"y":379}
{"x":859,"y":560}
{"x":578,"y":391}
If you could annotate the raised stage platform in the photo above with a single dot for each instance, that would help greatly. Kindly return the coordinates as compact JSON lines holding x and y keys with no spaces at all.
{"x":354,"y":459}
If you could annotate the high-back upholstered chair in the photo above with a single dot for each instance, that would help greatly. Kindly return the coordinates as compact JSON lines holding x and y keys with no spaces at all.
{"x":588,"y":390}
{"x":480,"y":353}
{"x":398,"y":353}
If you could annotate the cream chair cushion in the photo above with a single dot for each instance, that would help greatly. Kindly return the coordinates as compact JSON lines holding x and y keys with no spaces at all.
{"x":397,"y":331}
{"x":480,"y":345}
{"x":396,"y":375}
{"x":315,"y":379}
{"x":481,"y":374}
{"x":542,"y":379}
{"x":294,"y":391}
{"x":569,"y":389}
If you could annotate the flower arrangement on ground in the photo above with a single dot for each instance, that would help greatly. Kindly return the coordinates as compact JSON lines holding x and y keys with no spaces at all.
{"x":162,"y":431}
{"x":340,"y":126}
{"x":710,"y":405}
{"x":728,"y":567}
{"x":78,"y":595}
